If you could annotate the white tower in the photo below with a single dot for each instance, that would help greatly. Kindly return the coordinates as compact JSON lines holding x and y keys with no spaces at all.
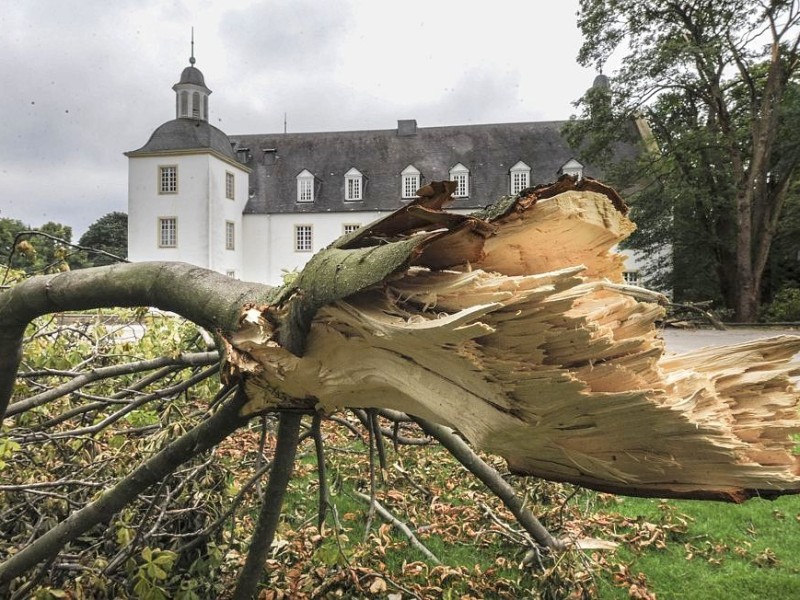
{"x":186,"y":188}
{"x":191,"y":93}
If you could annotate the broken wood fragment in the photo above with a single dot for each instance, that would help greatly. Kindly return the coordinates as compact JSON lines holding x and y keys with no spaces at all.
{"x":515,"y":328}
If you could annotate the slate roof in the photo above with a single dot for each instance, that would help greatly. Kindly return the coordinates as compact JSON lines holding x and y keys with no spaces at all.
{"x":488,"y":151}
{"x":192,"y":75}
{"x":186,"y":134}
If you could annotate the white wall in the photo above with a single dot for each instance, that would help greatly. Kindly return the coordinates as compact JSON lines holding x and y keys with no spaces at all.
{"x":269,"y":240}
{"x":222,"y":209}
{"x":200,"y":201}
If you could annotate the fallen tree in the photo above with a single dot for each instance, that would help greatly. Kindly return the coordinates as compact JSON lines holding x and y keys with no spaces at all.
{"x":512,"y":326}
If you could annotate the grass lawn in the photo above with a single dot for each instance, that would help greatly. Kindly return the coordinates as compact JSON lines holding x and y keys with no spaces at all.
{"x":674,"y":549}
{"x":727,"y":551}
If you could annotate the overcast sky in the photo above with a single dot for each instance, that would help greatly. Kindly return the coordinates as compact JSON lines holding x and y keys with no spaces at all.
{"x":85,"y":80}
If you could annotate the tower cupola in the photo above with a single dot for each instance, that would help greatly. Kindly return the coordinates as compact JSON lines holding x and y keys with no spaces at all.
{"x":191,"y":93}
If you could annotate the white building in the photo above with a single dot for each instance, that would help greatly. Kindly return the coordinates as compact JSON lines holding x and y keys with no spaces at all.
{"x":253,"y":206}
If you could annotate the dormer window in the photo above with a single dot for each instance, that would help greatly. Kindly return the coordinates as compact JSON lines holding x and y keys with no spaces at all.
{"x":305,"y":186}
{"x":572,"y":167}
{"x":353,"y":185}
{"x":460,"y":174}
{"x":410,"y":182}
{"x":520,"y":177}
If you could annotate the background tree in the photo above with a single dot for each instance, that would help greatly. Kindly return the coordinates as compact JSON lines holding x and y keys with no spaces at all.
{"x":110,"y":234}
{"x":716,"y":83}
{"x":9,"y":228}
{"x":35,"y":253}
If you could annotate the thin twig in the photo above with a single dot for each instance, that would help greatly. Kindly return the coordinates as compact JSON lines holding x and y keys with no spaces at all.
{"x":402,"y":527}
{"x":267,"y":524}
{"x":372,"y":493}
{"x":379,"y":445}
{"x":322,"y":478}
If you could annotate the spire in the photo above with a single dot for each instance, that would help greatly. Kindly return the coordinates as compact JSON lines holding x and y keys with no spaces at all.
{"x":191,"y":99}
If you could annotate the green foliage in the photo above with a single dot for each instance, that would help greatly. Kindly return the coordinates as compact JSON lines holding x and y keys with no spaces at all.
{"x":785,"y":307}
{"x":151,"y":574}
{"x":35,"y":253}
{"x":719,"y":144}
{"x":110,"y":234}
{"x":40,"y":445}
{"x":675,"y":549}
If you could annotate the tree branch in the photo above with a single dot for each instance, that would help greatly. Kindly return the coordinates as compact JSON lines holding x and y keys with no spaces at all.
{"x":195,"y":441}
{"x":192,"y":359}
{"x":475,"y":465}
{"x":282,"y":467}
{"x":382,"y":511}
{"x":209,"y":299}
{"x":322,"y":478}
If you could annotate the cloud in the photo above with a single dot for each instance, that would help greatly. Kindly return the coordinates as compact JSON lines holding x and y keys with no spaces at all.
{"x":85,"y":81}
{"x":283,"y":36}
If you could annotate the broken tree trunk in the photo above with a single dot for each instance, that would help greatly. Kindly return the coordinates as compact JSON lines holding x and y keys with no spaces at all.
{"x":514,"y":327}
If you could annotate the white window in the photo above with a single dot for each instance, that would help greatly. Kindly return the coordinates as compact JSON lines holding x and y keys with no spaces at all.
{"x":520,"y":177}
{"x":167,"y":232}
{"x":230,"y":182}
{"x":350,"y":227}
{"x":196,"y":105}
{"x":460,"y":174}
{"x":631,"y":277}
{"x":305,"y":186}
{"x":168,"y":179}
{"x":303,"y":238}
{"x":230,"y":235}
{"x":353,"y":185}
{"x":410,"y":182}
{"x":572,"y":167}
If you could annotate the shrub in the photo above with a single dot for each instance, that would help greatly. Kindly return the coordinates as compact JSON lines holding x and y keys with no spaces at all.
{"x":784,"y":307}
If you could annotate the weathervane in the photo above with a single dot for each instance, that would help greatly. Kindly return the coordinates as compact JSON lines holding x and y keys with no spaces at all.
{"x":191,"y":58}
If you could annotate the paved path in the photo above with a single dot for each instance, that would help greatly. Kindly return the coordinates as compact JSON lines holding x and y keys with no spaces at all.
{"x":683,"y":340}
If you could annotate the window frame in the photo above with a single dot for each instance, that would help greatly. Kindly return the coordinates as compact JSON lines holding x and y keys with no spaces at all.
{"x":348,"y":228}
{"x":230,"y":185}
{"x":408,"y":175}
{"x":160,"y":224}
{"x":457,"y":173}
{"x":230,"y":235}
{"x":632,"y":278}
{"x":519,"y":171}
{"x":310,"y":229}
{"x":305,"y":187}
{"x":353,"y":179}
{"x":162,"y":170}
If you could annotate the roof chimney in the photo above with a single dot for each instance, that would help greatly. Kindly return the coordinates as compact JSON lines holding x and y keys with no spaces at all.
{"x":406,"y":127}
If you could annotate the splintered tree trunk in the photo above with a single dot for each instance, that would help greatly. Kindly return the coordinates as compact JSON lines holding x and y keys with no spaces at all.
{"x":515,"y":328}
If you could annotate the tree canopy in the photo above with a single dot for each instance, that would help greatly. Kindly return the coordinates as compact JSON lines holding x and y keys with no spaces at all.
{"x":713,"y":88}
{"x":109,"y":234}
{"x":37,"y":250}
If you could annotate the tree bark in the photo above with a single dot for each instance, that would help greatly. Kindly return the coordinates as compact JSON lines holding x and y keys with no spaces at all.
{"x":280,"y":474}
{"x":196,"y":441}
{"x":536,"y":351}
{"x":209,"y":299}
